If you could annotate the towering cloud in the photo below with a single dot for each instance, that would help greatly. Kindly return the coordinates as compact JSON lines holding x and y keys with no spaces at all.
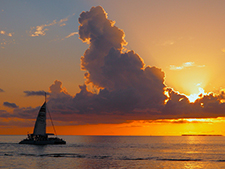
{"x":110,"y":69}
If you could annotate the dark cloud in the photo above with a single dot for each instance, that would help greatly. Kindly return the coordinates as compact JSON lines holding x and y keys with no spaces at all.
{"x":23,"y":113}
{"x":57,"y":88}
{"x":26,"y":112}
{"x":15,"y":122}
{"x":35,"y":93}
{"x":209,"y":105}
{"x":108,"y":68}
{"x":10,"y":105}
{"x":1,"y":90}
{"x":102,"y":35}
{"x":4,"y":114}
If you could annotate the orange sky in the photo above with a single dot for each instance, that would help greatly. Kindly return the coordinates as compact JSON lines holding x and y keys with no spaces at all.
{"x":145,"y":128}
{"x":181,"y":39}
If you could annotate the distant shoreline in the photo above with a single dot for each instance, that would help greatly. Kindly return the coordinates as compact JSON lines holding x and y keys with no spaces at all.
{"x":201,"y":135}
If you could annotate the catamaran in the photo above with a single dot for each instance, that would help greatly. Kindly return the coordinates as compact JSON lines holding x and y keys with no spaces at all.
{"x":39,"y":136}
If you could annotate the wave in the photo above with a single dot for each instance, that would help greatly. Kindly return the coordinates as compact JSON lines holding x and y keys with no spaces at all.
{"x":162,"y":159}
{"x":55,"y":155}
{"x":74,"y":155}
{"x":219,"y":160}
{"x":128,"y":158}
{"x":70,"y":155}
{"x":179,"y":159}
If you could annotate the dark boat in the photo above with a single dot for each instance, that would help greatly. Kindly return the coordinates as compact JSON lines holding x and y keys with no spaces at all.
{"x":39,"y":136}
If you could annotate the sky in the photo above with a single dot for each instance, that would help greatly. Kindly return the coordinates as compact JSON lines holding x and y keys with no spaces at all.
{"x":113,"y":68}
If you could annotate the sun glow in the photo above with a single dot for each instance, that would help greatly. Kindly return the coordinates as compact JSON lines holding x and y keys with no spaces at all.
{"x":193,"y":97}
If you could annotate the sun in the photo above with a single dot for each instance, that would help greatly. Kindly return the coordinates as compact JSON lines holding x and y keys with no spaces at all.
{"x":193,"y":97}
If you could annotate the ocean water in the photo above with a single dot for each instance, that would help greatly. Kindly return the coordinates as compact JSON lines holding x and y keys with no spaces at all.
{"x":96,"y":152}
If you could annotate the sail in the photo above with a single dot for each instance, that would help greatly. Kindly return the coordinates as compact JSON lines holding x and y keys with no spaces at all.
{"x":40,"y":125}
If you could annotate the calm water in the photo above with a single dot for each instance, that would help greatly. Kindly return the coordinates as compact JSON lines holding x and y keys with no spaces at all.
{"x":115,"y":152}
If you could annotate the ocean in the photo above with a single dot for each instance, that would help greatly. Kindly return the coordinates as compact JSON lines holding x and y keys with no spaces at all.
{"x":97,"y":152}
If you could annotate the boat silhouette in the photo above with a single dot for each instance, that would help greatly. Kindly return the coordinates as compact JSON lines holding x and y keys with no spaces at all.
{"x":39,"y":136}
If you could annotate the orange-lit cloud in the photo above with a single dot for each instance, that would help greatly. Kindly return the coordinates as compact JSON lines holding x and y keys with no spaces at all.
{"x":7,"y":39}
{"x":169,"y":42}
{"x":185,"y":65}
{"x":72,"y":34}
{"x":7,"y":34}
{"x":41,"y":29}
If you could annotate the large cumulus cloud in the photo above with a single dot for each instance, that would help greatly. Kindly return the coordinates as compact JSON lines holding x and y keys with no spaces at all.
{"x":110,"y":69}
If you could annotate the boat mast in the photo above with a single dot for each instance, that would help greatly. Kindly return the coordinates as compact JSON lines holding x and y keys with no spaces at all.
{"x":50,"y":116}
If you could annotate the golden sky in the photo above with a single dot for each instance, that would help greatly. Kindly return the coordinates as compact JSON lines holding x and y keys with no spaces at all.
{"x":121,"y":68}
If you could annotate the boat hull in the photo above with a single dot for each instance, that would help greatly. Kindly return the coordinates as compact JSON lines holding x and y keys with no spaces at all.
{"x":43,"y":142}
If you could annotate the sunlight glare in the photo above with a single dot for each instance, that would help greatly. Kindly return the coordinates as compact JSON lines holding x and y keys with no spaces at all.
{"x":193,"y":97}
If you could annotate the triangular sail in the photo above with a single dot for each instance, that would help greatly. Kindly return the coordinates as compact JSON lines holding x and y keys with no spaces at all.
{"x":40,"y":125}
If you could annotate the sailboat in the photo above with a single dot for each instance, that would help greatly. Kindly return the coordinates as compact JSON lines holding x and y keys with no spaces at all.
{"x":39,"y":136}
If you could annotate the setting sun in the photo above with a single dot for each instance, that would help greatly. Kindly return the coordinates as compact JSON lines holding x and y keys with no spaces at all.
{"x":195,"y":96}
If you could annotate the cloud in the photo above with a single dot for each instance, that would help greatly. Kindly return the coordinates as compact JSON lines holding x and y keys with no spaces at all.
{"x":41,"y":29}
{"x":21,"y":113}
{"x":185,"y":65}
{"x":7,"y":39}
{"x":61,"y":22}
{"x":181,"y":121}
{"x":169,"y":42}
{"x":1,"y":90}
{"x":72,"y":34}
{"x":10,"y":105}
{"x":4,"y":114}
{"x":206,"y":106}
{"x":57,"y":88}
{"x":36,"y":93}
{"x":7,"y":34}
{"x":15,"y":122}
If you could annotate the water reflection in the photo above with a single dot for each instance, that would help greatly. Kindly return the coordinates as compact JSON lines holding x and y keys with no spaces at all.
{"x":118,"y":152}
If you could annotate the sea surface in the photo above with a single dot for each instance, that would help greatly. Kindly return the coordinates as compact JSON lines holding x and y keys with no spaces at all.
{"x":87,"y":152}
